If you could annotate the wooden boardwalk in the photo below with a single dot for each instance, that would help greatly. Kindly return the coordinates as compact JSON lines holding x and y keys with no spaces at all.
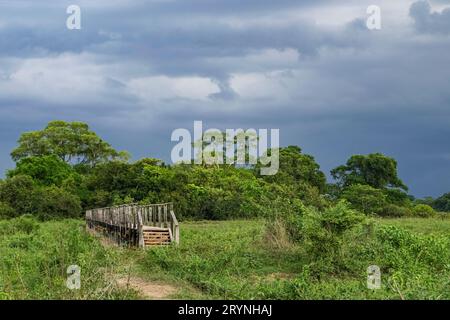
{"x":136,"y":225}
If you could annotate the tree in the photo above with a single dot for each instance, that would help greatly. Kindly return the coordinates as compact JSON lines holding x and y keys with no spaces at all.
{"x":47,"y":170}
{"x":442,"y":203}
{"x":375,"y":170}
{"x":18,"y":193}
{"x":72,"y":142}
{"x":296,"y":167}
{"x":365,"y":198}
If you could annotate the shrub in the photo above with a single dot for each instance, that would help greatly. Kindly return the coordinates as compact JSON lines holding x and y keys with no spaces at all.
{"x":365,"y":198}
{"x":6,"y":211}
{"x":392,"y":210}
{"x":18,"y":193}
{"x":423,"y":210}
{"x":57,"y":203}
{"x":323,"y":234}
{"x":26,"y":223}
{"x":284,"y":214}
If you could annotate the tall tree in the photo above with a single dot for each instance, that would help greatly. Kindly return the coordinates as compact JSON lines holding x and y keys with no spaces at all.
{"x":442,"y":203}
{"x":73,"y":142}
{"x":297,"y":167}
{"x":376,"y":170}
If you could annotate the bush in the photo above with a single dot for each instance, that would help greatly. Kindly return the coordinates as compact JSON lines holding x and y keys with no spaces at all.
{"x":6,"y":211}
{"x":26,"y":223}
{"x":18,"y":193}
{"x":423,"y":210}
{"x":284,"y":220}
{"x":323,"y":235}
{"x":392,"y":210}
{"x":365,"y":198}
{"x":57,"y":203}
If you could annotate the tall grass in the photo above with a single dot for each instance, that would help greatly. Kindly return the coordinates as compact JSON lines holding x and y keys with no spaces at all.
{"x":233,"y":260}
{"x":34,"y":258}
{"x":229,"y":260}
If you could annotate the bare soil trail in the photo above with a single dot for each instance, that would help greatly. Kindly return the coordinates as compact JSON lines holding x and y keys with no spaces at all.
{"x":148,"y":289}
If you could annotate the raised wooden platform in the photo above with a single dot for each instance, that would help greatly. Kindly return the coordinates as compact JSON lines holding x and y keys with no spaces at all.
{"x":136,"y":225}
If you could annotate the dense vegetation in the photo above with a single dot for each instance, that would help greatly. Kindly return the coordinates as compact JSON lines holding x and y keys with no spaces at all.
{"x":34,"y":258}
{"x":304,"y":238}
{"x":66,"y":168}
{"x":234,"y":259}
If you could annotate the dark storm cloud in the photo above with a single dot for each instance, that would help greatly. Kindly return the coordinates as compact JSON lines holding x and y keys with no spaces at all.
{"x":428,"y":21}
{"x":138,"y":70}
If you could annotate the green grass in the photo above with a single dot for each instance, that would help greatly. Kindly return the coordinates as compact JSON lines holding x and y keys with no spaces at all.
{"x":228,"y":260}
{"x":34,"y":258}
{"x":420,"y":225}
{"x":232,"y":260}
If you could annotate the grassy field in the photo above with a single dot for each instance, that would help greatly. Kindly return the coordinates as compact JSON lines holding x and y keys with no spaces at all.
{"x":437,"y":226}
{"x":34,"y":258}
{"x":232,"y":260}
{"x":227,"y":260}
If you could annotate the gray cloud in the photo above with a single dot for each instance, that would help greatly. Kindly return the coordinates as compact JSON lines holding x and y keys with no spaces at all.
{"x":430,"y":22}
{"x":136,"y":71}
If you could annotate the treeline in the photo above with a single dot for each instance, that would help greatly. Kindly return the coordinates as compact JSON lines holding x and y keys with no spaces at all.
{"x":66,"y":168}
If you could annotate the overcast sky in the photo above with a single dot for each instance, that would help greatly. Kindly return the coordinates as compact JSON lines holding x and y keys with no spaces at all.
{"x":137,"y":70}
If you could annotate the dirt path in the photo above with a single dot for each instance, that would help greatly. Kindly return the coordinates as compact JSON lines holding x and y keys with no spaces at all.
{"x":149,"y":290}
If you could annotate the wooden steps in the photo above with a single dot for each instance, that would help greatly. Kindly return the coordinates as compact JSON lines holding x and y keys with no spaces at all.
{"x":156,"y":236}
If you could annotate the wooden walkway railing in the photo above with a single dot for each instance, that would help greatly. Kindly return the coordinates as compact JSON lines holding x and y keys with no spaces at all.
{"x":127,"y":224}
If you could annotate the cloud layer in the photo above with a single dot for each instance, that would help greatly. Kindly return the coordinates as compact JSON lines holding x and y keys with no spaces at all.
{"x":138,"y":70}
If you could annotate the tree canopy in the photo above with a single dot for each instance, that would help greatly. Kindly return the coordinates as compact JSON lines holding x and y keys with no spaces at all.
{"x":47,"y":170}
{"x":72,"y":142}
{"x":297,"y":167}
{"x":442,"y":203}
{"x":67,"y":168}
{"x":375,"y":170}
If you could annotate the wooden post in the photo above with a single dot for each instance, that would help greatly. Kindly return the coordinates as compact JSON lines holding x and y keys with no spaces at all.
{"x":159,"y":216}
{"x":140,"y":228}
{"x":176,"y":227}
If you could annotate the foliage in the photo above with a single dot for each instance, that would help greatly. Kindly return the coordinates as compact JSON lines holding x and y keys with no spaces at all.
{"x":313,"y":240}
{"x":397,"y":197}
{"x":375,"y":170}
{"x":434,"y":225}
{"x":21,"y":195}
{"x":365,"y":198}
{"x":232,"y":260}
{"x":35,"y":257}
{"x":392,"y":210}
{"x":70,"y":141}
{"x":18,"y":193}
{"x":323,"y":234}
{"x":296,"y":167}
{"x":46,"y":170}
{"x":442,"y":203}
{"x":423,"y":210}
{"x":6,"y":211}
{"x":56,"y":203}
